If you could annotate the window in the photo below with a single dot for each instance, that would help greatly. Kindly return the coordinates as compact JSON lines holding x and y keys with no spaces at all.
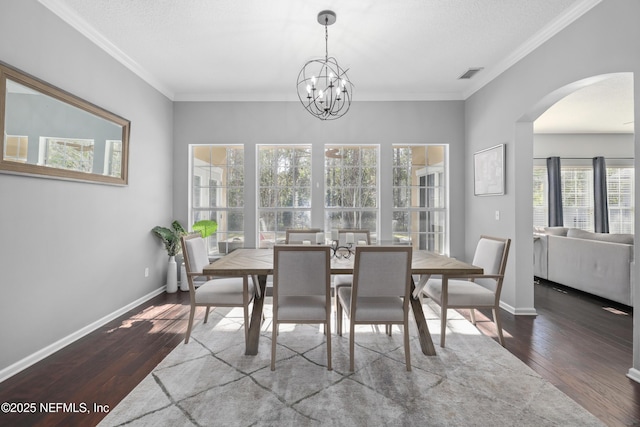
{"x":217,"y":183}
{"x":284,"y":190}
{"x":419,"y":196}
{"x":577,"y":197}
{"x":351,"y":195}
{"x":540,"y":199}
{"x":73,"y":154}
{"x":15,"y":148}
{"x":113,"y":158}
{"x":620,"y":199}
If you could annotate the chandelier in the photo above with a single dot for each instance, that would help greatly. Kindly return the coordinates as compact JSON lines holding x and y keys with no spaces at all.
{"x":323,"y":87}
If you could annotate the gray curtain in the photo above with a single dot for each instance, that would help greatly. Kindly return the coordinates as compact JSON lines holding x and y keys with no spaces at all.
{"x":555,"y":192}
{"x":600,"y":204}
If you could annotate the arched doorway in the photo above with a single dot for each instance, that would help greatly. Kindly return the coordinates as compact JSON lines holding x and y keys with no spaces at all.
{"x":525,"y":135}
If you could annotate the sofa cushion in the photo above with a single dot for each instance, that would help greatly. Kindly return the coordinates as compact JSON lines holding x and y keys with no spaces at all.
{"x":626,"y":239}
{"x":556,"y":231}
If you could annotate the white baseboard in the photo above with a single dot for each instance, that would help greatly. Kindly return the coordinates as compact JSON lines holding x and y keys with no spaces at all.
{"x":20,"y":365}
{"x":634,"y":374}
{"x":518,"y":311}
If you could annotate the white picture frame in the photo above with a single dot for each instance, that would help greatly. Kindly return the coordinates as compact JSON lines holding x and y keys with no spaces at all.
{"x":488,"y":171}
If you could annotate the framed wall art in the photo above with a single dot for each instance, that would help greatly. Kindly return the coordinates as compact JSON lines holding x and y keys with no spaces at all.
{"x":488,"y":171}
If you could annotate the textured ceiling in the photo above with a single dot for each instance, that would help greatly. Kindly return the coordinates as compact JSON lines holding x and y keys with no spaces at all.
{"x":229,"y":50}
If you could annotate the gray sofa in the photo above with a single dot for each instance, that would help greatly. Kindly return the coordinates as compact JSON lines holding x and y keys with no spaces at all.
{"x":598,"y":263}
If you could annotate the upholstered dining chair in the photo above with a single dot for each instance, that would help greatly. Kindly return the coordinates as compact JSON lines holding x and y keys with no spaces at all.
{"x":379,"y":294}
{"x":218,"y":292}
{"x":301,"y":290}
{"x":296,"y":236}
{"x":476,"y":290}
{"x":360,"y":237}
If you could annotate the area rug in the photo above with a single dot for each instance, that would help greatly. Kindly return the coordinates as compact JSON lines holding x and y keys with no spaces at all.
{"x":471,"y":382}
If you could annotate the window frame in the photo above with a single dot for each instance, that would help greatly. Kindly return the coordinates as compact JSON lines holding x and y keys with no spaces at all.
{"x":267,"y":234}
{"x":425,"y":182}
{"x":331,"y":156}
{"x":225,"y":239}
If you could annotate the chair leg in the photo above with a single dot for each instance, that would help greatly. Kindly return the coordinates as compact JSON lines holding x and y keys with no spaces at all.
{"x":407,"y":352}
{"x":496,"y":319}
{"x":274,"y":335}
{"x":191,"y":313}
{"x":472,"y":313}
{"x":327,"y":326}
{"x":443,"y":325}
{"x":338,"y":317}
{"x":351,"y":344}
{"x":206,"y":314}
{"x":246,"y":323}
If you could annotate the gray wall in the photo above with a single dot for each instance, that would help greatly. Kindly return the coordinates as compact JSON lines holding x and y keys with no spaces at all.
{"x":73,"y":252}
{"x":383,"y":123}
{"x":605,"y":40}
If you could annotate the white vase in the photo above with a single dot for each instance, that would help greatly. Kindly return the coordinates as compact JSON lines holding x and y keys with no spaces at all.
{"x":172,"y":275}
{"x":184,"y":282}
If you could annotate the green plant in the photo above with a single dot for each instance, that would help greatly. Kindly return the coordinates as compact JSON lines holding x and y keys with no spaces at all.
{"x":170,"y":237}
{"x":206,"y":227}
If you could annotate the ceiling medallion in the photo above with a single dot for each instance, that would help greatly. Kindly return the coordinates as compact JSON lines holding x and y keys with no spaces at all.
{"x":324,"y":88}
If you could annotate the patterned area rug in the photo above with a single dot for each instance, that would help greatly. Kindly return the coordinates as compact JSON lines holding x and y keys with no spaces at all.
{"x":471,"y":382}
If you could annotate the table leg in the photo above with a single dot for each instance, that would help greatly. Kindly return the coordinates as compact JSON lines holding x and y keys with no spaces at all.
{"x":426,"y":343}
{"x":256,"y":319}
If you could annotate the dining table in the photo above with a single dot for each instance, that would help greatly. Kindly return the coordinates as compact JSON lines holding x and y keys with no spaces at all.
{"x":257,"y":264}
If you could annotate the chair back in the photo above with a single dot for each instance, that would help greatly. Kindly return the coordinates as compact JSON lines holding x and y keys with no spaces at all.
{"x":297,"y":236}
{"x":195,"y":253}
{"x":382,"y":271}
{"x":359,"y":235}
{"x":491,"y":254}
{"x":301,"y":270}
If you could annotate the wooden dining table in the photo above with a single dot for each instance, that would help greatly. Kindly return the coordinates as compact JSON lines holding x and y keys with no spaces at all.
{"x":257,"y":264}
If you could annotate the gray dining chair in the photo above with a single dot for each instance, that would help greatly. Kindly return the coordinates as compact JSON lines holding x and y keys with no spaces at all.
{"x":214,"y":292}
{"x":301,"y":290}
{"x":473,"y":291}
{"x":379,"y":294}
{"x":361,"y":237}
{"x":296,"y":236}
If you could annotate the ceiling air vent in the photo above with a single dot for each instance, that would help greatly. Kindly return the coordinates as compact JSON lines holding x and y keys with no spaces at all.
{"x":470,"y":73}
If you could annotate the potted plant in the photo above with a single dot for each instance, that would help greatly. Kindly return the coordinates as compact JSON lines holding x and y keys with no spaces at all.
{"x":171,"y":239}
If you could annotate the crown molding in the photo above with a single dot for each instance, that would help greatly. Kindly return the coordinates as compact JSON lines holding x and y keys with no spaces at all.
{"x":546,"y":33}
{"x":557,"y":25}
{"x":75,"y":21}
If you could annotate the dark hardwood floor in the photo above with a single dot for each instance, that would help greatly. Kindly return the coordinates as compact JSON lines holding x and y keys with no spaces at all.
{"x":580,"y":344}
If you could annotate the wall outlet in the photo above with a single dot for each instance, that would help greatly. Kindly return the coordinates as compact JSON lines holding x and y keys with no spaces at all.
{"x":146,"y":272}
{"x":497,"y":215}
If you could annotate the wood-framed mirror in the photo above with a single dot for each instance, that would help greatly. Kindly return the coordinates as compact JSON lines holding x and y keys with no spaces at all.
{"x":48,"y":132}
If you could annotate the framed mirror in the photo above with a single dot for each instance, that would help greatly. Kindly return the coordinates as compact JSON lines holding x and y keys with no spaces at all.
{"x":48,"y":132}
